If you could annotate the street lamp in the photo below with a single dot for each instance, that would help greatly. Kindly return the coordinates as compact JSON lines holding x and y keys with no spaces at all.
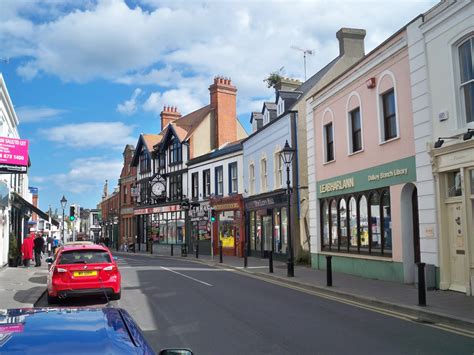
{"x":286,"y":154}
{"x":63,"y":205}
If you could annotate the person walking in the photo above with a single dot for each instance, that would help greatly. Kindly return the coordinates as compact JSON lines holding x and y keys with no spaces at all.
{"x":27,"y":249}
{"x":38,"y":247}
{"x":49,"y":245}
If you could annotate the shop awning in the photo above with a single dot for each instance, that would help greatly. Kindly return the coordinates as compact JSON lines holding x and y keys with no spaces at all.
{"x":21,"y":201}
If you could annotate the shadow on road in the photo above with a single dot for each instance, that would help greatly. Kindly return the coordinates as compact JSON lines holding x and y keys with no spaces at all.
{"x":28,"y":296}
{"x":75,"y":302}
{"x":38,"y":279}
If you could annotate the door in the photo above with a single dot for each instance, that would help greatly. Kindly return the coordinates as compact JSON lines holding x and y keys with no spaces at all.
{"x":457,"y":242}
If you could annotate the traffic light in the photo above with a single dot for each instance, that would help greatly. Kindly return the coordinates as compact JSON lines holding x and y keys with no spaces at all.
{"x":213,"y":215}
{"x":72,"y":213}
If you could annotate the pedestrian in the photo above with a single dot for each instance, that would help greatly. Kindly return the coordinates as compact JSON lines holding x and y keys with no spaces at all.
{"x":27,"y":250}
{"x":38,"y":247}
{"x":49,"y":245}
{"x":55,"y":244}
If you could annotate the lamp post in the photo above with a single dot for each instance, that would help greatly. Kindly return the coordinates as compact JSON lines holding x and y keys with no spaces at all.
{"x":63,"y":205}
{"x":286,"y":155}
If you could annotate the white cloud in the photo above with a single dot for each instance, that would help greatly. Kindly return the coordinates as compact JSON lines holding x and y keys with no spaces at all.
{"x":27,"y":114}
{"x":183,"y":99}
{"x":129,"y":107}
{"x":91,"y":134}
{"x":86,"y":175}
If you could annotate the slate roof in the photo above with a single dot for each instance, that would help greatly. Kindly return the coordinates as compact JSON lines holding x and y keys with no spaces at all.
{"x":256,"y":116}
{"x":226,"y":149}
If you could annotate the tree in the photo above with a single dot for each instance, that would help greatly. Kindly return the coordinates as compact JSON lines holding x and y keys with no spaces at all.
{"x":273,"y":79}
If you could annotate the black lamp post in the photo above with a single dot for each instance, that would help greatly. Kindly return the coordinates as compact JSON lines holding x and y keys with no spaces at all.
{"x":286,"y":154}
{"x":63,"y":206}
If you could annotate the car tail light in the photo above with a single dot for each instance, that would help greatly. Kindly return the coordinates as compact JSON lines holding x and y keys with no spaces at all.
{"x":60,"y":270}
{"x":109,"y":268}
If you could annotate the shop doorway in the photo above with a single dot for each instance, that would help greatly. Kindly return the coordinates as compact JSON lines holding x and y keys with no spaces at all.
{"x":410,"y":232}
{"x":457,"y":246}
{"x":267,"y":234}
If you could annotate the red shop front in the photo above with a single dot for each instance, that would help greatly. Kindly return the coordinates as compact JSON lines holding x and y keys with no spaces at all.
{"x":229,"y":227}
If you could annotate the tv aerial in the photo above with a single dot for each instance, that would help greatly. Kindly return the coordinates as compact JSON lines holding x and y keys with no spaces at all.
{"x":305,"y":52}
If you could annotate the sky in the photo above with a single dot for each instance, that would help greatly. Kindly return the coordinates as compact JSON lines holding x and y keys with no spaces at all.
{"x":87,"y":77}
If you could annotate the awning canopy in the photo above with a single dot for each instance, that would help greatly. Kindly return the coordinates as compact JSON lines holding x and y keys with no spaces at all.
{"x":21,"y":201}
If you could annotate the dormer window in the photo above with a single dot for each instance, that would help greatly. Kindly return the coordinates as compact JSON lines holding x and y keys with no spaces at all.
{"x":175,"y":151}
{"x":266,"y":117}
{"x":280,"y":107}
{"x":145,"y":162}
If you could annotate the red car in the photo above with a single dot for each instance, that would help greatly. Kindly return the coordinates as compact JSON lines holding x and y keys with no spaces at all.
{"x":79,"y":270}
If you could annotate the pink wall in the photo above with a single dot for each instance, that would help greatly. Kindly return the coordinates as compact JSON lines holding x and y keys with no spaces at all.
{"x":336,"y":108}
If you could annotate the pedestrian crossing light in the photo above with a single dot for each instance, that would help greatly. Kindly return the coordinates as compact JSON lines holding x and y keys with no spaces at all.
{"x":72,"y":213}
{"x":213,"y":215}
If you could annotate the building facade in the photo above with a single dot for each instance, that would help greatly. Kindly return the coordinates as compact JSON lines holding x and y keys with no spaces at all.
{"x":127,"y":182}
{"x":109,"y":208}
{"x":365,"y":174}
{"x":441,"y":48}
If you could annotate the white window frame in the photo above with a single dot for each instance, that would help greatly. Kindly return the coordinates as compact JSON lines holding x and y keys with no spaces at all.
{"x":461,"y":107}
{"x":349,"y":124}
{"x":380,"y":107}
{"x":252,"y":178}
{"x":234,"y":179}
{"x":330,"y":119}
{"x":263,"y":175}
{"x":278,"y":168}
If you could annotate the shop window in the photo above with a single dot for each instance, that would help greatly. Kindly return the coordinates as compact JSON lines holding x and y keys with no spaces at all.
{"x":252,"y":179}
{"x":227,"y":229}
{"x":352,"y":212}
{"x":343,"y":224}
{"x":195,"y":185}
{"x":325,"y":213}
{"x":333,"y":242}
{"x":387,"y":223}
{"x":356,"y":130}
{"x":233,"y":178}
{"x":219,"y":176}
{"x":252,"y":230}
{"x":363,"y":223}
{"x":284,"y":230}
{"x":375,"y":223}
{"x":466,"y":87}
{"x":454,"y":183}
{"x":389,"y":115}
{"x":206,"y":183}
{"x":329,"y":142}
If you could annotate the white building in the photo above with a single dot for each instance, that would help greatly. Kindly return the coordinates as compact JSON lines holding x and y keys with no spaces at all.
{"x":441,"y":48}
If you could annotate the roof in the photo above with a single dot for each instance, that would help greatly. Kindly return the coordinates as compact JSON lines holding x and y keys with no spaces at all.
{"x":151,"y":140}
{"x":82,"y":246}
{"x":288,"y":95}
{"x":187,"y":124}
{"x":224,"y":150}
{"x":256,"y":116}
{"x":269,"y":105}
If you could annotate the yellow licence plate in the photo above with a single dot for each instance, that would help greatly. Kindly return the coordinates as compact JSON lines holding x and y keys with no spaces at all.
{"x":85,"y":273}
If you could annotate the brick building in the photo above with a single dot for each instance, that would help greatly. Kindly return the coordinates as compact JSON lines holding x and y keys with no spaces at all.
{"x":127,"y":182}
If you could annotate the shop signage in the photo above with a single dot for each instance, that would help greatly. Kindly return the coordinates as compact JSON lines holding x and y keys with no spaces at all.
{"x":13,"y":155}
{"x":227,"y":206}
{"x":394,"y":173}
{"x":266,"y":202}
{"x":151,"y":210}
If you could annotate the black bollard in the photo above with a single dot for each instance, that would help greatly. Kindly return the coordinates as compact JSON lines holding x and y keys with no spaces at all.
{"x":245,"y":257}
{"x":220,"y":253}
{"x":197,"y":249}
{"x":270,"y":262}
{"x":328,"y":270}
{"x":421,"y":284}
{"x":171,"y":249}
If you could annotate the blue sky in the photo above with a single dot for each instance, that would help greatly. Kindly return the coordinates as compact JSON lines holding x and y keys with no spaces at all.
{"x":87,"y":77}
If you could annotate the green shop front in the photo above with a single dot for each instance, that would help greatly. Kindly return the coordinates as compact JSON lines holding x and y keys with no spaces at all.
{"x":369,"y":222}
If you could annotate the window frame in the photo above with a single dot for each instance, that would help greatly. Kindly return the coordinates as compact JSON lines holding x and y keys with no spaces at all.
{"x":386,"y":116}
{"x":195,"y":185}
{"x":252,"y":178}
{"x":231,"y":178}
{"x":206,"y":183}
{"x":328,"y":144}
{"x":217,"y":183}
{"x":263,"y":175}
{"x":353,"y":132}
{"x":459,"y":81}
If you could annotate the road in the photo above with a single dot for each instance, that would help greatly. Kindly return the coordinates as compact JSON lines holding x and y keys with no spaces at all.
{"x":179,"y":303}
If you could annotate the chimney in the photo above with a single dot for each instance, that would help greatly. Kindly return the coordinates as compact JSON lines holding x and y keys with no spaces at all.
{"x":169,"y":114}
{"x":287,"y":84}
{"x":223,"y":101}
{"x":106,"y":190}
{"x":351,"y":42}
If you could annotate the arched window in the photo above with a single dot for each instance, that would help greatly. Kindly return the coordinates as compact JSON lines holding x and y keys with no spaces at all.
{"x":352,"y":213}
{"x":343,"y":242}
{"x":375,"y":223}
{"x":333,"y":222}
{"x":325,"y":225}
{"x":387,"y":223}
{"x":364,"y":223}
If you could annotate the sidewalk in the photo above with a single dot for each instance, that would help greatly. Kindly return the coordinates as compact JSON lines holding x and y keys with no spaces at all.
{"x":442,"y":306}
{"x":21,"y":287}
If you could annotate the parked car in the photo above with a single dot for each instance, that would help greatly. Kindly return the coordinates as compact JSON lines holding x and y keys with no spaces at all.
{"x":83,"y":270}
{"x":73,"y":331}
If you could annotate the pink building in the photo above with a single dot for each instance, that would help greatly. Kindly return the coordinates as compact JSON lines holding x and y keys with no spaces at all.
{"x":362,"y":168}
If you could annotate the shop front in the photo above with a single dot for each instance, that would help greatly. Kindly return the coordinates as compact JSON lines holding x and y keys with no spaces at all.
{"x":453,"y":169}
{"x":200,"y":227}
{"x":267,"y":224}
{"x":228,"y":229}
{"x":369,"y":222}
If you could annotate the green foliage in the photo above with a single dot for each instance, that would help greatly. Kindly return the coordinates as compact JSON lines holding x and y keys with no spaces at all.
{"x":13,"y":249}
{"x":273,"y":79}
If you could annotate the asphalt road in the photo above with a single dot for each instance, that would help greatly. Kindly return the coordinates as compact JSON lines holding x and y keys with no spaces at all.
{"x":179,"y":303}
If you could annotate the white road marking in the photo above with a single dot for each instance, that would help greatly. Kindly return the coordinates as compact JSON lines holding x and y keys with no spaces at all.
{"x":189,"y":277}
{"x":160,"y":268}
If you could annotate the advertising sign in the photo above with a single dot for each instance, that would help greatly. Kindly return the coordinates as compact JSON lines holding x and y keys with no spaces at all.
{"x":13,"y":155}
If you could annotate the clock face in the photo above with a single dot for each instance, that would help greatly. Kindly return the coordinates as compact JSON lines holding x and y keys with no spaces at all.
{"x":158,"y":188}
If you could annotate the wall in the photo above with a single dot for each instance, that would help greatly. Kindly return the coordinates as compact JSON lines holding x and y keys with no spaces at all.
{"x":202,"y":140}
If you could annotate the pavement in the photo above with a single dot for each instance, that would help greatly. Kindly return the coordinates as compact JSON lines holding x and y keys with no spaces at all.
{"x":21,"y":287}
{"x":446,"y":307}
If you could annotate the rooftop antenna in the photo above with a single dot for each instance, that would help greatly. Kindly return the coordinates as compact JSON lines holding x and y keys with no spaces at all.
{"x":305,"y":51}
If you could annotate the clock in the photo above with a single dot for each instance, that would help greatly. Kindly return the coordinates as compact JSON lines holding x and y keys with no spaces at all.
{"x":158,"y":188}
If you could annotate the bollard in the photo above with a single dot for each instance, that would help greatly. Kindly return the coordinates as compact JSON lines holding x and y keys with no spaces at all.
{"x":245,"y":258}
{"x":220,"y":253}
{"x":328,"y":270}
{"x":171,"y":249}
{"x":421,"y":284}
{"x":184,"y":250}
{"x":197,"y":249}
{"x":270,"y":262}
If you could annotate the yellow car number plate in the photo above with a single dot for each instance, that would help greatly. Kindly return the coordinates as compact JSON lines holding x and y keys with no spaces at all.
{"x":85,"y":273}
